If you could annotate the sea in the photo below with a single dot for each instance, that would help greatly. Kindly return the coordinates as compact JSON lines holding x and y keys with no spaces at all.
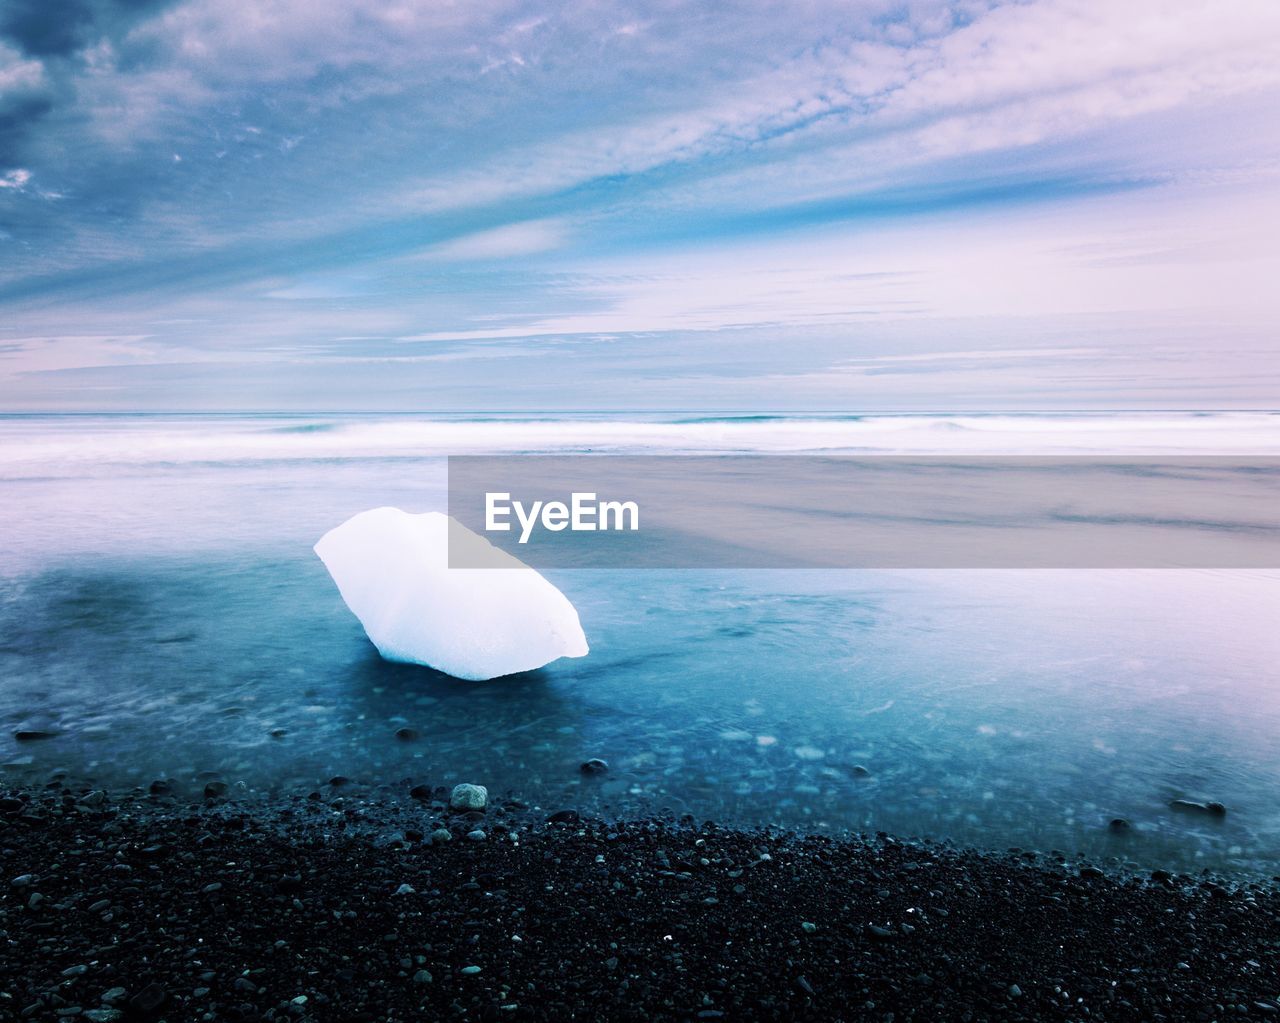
{"x":163,"y":616}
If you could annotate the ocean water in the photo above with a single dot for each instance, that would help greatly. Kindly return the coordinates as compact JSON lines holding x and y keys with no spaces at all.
{"x":163,"y":616}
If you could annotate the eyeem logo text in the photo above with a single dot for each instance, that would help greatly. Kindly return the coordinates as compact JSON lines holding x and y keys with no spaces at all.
{"x":583,"y":514}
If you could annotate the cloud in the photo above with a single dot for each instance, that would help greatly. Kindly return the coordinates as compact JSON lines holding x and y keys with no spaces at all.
{"x":867,"y":108}
{"x":277,"y":176}
{"x":25,"y":98}
{"x":510,"y":240}
{"x":43,"y":29}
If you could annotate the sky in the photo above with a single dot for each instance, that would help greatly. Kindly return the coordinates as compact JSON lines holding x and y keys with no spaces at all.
{"x":355,"y":205}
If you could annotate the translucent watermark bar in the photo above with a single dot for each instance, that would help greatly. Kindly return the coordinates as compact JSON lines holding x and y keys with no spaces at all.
{"x":782,"y":511}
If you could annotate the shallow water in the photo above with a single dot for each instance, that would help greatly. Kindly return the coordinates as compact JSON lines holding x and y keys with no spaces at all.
{"x":162,"y":613}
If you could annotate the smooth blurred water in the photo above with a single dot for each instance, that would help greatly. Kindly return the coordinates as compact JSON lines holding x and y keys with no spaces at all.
{"x":162,"y":611}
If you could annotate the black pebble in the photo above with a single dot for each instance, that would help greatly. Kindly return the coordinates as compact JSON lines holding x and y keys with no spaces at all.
{"x":32,"y":734}
{"x":148,"y":1000}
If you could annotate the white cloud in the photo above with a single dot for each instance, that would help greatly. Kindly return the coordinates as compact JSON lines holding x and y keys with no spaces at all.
{"x":18,"y":73}
{"x":1210,"y":254}
{"x":1016,"y":76}
{"x":16,"y":179}
{"x":521,"y":239}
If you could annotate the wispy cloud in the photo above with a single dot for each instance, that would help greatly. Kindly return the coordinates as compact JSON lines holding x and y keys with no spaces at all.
{"x":510,"y":240}
{"x":272,"y":180}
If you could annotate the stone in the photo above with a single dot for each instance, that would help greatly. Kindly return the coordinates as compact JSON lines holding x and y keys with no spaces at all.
{"x":468,"y":797}
{"x":1212,"y":809}
{"x":148,"y":1000}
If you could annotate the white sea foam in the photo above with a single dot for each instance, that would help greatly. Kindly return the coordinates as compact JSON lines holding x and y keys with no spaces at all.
{"x":39,"y":446}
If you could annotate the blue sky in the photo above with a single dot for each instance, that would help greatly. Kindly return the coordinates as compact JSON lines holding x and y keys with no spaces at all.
{"x":331,"y":204}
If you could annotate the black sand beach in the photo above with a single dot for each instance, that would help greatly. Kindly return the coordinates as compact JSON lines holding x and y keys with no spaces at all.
{"x":350,"y":904}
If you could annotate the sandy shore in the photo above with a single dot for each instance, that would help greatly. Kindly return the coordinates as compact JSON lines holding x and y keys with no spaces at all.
{"x":352,"y":906}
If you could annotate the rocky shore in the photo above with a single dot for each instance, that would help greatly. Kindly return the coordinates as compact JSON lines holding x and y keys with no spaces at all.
{"x":351,"y":904}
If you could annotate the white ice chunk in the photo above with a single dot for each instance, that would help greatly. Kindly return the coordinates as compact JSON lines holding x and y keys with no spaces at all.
{"x":392,"y":569}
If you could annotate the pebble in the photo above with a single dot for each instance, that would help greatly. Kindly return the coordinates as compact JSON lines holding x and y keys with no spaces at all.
{"x":625,"y":899}
{"x":468,"y":797}
{"x":23,"y":880}
{"x":149,"y":999}
{"x":477,"y":836}
{"x":594,"y":766}
{"x":441,"y":835}
{"x":406,"y":734}
{"x":1213,"y":809}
